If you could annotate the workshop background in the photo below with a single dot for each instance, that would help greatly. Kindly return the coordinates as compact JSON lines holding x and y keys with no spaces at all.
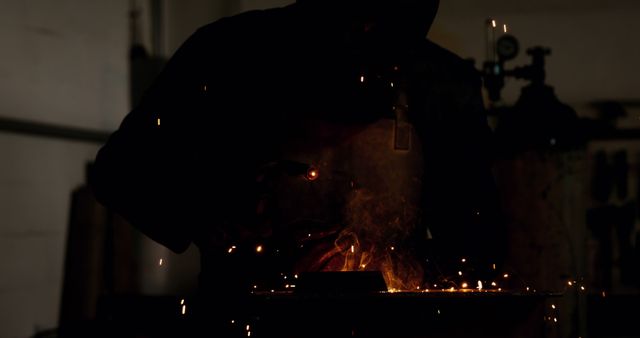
{"x":70,"y":70}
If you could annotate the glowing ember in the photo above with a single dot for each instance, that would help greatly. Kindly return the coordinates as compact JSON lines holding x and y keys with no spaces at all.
{"x":493,"y":23}
{"x":361,"y":78}
{"x":479,"y":285}
{"x":504,"y":27}
{"x":158,"y":121}
{"x":493,"y":284}
{"x":353,"y":249}
{"x":259,"y":248}
{"x":312,"y":174}
{"x":459,"y":273}
{"x":233,"y":247}
{"x":182,"y":301}
{"x":569,"y":282}
{"x":392,"y":248}
{"x":160,"y":262}
{"x":553,"y":306}
{"x":184,"y":309}
{"x":463,"y":260}
{"x":465,"y":285}
{"x":506,"y":275}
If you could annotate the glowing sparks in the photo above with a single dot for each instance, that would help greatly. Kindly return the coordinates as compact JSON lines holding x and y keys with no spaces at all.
{"x":363,"y":266}
{"x":233,"y":247}
{"x":553,"y":306}
{"x":233,"y":321}
{"x":353,"y":249}
{"x":604,"y":294}
{"x":392,"y":248}
{"x":248,"y":327}
{"x":160,"y":262}
{"x":459,"y":273}
{"x":463,"y":260}
{"x":555,"y":320}
{"x":493,"y":23}
{"x":493,"y":284}
{"x":493,"y":266}
{"x":158,"y":122}
{"x":204,"y":88}
{"x":312,"y":174}
{"x":465,"y":285}
{"x":182,"y":301}
{"x":569,"y":282}
{"x":295,"y":276}
{"x":506,"y":275}
{"x":361,"y":78}
{"x":248,"y":333}
{"x":504,"y":28}
{"x":582,"y":288}
{"x":259,"y":249}
{"x":391,"y":84}
{"x":184,"y":309}
{"x":479,"y":285}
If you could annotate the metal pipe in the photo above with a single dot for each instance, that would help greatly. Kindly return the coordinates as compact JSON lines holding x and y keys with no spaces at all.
{"x":52,"y":130}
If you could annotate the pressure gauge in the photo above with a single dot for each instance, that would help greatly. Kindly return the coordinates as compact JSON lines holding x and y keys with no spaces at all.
{"x":507,"y":47}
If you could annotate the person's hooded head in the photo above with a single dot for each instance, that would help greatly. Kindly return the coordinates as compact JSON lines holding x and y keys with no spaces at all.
{"x":404,"y":19}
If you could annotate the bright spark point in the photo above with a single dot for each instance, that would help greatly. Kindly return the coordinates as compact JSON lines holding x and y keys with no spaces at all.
{"x":555,"y":320}
{"x":493,"y":266}
{"x":464,"y":285}
{"x":479,"y":285}
{"x":391,"y":84}
{"x":248,"y":327}
{"x":232,"y":248}
{"x":553,"y":306}
{"x":255,"y":286}
{"x":504,"y":28}
{"x":160,"y":262}
{"x":464,"y":260}
{"x":184,"y":309}
{"x":493,"y":284}
{"x":493,"y":23}
{"x":182,"y":301}
{"x":459,"y":273}
{"x":361,"y":78}
{"x":582,"y":288}
{"x":295,"y":276}
{"x":158,"y":121}
{"x":259,"y":248}
{"x":248,"y":333}
{"x":392,"y":248}
{"x":506,"y":275}
{"x":569,"y":282}
{"x":353,"y":249}
{"x":363,"y":266}
{"x":233,"y":321}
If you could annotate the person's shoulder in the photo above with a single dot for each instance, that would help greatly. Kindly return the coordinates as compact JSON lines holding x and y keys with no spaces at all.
{"x":448,"y":63}
{"x":250,"y":22}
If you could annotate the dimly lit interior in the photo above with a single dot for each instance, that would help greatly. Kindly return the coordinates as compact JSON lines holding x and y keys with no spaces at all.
{"x":486,"y":185}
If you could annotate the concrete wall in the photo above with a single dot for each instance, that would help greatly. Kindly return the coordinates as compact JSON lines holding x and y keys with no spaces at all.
{"x":62,"y":62}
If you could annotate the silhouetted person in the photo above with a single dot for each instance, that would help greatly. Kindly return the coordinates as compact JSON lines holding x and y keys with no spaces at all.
{"x":324,"y":135}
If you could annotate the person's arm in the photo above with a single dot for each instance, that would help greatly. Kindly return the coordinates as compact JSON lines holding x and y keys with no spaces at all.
{"x":145,"y":171}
